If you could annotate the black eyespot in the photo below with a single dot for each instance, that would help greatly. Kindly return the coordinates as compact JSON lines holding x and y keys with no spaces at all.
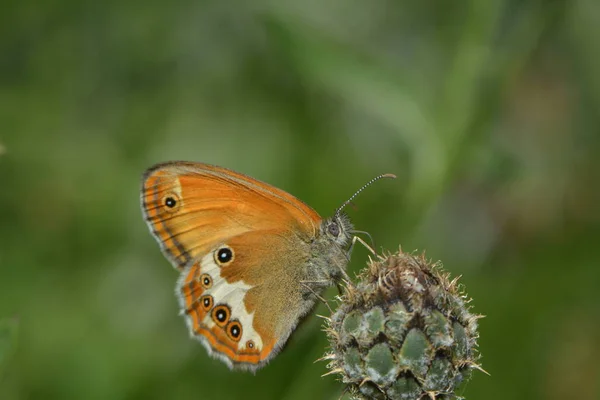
{"x":250,"y":344}
{"x":224,"y":255}
{"x":207,"y":302}
{"x":170,"y":202}
{"x":220,"y":315}
{"x":333,"y":229}
{"x":206,"y":281}
{"x":234,"y":330}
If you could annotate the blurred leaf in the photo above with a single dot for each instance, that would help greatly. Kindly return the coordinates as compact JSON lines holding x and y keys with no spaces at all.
{"x":8,"y":341}
{"x":369,"y":86}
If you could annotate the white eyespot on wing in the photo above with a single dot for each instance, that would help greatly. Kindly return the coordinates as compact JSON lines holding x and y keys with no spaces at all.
{"x":232,"y":295}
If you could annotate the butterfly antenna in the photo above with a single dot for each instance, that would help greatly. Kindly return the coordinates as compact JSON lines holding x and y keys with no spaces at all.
{"x":339,"y":210}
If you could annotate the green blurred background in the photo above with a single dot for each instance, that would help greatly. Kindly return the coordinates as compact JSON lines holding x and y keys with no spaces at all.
{"x":488,"y":112}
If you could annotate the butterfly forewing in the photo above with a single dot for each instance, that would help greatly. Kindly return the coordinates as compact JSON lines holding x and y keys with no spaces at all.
{"x":190,"y":207}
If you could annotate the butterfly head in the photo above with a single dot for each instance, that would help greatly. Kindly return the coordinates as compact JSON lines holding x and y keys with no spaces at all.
{"x":331,"y":249}
{"x":338,"y":229}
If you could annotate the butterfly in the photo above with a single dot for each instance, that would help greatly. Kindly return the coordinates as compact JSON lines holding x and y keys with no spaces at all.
{"x":252,"y":258}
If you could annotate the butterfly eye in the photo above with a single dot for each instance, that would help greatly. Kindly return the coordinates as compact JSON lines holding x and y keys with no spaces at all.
{"x":234,"y":331}
{"x":220,"y":315}
{"x":207,"y":302}
{"x":334,"y":229}
{"x":171,"y":202}
{"x":206,"y":281}
{"x":224,"y":255}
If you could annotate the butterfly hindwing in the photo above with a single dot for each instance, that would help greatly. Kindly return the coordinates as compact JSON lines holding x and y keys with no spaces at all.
{"x":216,"y":318}
{"x":244,"y":310}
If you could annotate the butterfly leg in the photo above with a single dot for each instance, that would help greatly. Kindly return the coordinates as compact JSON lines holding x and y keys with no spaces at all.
{"x":368,"y":234}
{"x":358,"y":239}
{"x":322,"y":283}
{"x":318,"y":296}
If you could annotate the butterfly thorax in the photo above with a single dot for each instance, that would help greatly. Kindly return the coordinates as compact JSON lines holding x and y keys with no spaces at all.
{"x":329,"y":251}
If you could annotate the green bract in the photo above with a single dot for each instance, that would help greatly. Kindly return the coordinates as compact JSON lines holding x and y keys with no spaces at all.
{"x":404,"y":331}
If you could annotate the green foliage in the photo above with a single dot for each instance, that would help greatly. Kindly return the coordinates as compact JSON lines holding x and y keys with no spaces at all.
{"x":8,"y":343}
{"x":486,"y":110}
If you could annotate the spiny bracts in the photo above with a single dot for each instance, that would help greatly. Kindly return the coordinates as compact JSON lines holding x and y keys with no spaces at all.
{"x":404,"y":331}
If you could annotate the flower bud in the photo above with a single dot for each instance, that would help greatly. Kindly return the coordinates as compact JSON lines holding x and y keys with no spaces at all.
{"x":404,"y":331}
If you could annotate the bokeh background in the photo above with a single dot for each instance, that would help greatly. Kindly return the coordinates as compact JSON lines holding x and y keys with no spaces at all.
{"x":488,"y":112}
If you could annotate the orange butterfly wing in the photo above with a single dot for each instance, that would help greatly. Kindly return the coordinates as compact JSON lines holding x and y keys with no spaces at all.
{"x":213,"y":203}
{"x":193,"y":208}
